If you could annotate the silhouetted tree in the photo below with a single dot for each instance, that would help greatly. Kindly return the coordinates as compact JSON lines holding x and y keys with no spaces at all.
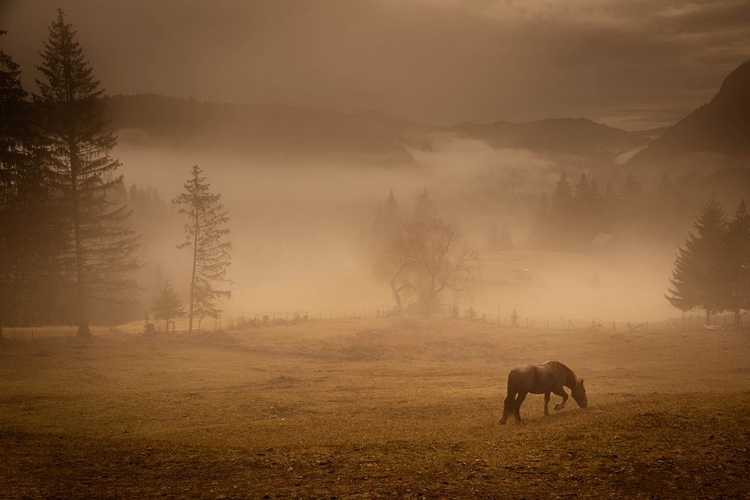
{"x":562,"y":197}
{"x":394,"y":264}
{"x":562,"y":217}
{"x":28,"y":274}
{"x":736,"y":263}
{"x":167,"y":304}
{"x":697,"y":275}
{"x":204,"y":234}
{"x":539,"y":237}
{"x":630,"y":189}
{"x":424,"y":258}
{"x":424,"y":208}
{"x":70,"y":108}
{"x":445,"y":262}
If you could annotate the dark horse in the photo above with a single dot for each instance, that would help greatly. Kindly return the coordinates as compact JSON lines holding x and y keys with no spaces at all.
{"x":543,"y":379}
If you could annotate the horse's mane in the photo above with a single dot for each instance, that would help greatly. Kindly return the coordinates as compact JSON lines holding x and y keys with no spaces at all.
{"x":570,"y":377}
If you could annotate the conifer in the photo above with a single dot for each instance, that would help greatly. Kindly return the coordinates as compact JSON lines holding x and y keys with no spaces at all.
{"x":204,"y":234}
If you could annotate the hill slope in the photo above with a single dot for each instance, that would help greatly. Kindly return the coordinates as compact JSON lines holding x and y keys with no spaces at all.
{"x":253,"y":131}
{"x":722,"y":126}
{"x":302,"y":133}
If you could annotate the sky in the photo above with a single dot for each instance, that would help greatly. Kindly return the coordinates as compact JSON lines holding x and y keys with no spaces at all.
{"x":633,"y":64}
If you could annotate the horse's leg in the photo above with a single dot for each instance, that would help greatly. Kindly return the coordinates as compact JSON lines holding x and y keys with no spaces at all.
{"x":519,"y":400}
{"x":546,"y":402}
{"x":561,"y":392}
{"x":508,"y":407}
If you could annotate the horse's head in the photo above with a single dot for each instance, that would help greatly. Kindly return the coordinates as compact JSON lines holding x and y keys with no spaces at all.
{"x":579,"y":394}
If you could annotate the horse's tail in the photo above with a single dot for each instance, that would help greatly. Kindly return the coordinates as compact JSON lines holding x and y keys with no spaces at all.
{"x":510,"y":398}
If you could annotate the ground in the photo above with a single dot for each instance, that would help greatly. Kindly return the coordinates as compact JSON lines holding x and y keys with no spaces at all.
{"x":371,"y":408}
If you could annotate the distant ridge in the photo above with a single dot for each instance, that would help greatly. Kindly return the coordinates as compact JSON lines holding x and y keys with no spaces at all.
{"x":572,"y":136}
{"x":286,"y":132}
{"x":254,"y":130}
{"x":721,"y":127}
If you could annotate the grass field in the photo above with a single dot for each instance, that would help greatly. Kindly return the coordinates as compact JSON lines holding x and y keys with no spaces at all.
{"x":371,"y":408}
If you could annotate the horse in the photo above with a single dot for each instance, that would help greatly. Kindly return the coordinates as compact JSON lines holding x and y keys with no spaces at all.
{"x":546,"y":378}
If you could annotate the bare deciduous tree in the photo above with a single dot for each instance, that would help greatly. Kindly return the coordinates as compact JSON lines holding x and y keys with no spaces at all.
{"x":423,"y":261}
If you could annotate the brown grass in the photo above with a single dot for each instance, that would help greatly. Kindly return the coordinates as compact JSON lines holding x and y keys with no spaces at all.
{"x":376,"y":408}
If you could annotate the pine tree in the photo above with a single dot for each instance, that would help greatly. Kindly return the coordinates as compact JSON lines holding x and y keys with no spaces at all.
{"x":541,"y":225}
{"x":424,"y":208}
{"x":736,"y":263}
{"x":100,"y":246}
{"x":391,"y":213}
{"x":630,"y":189}
{"x":561,"y":216}
{"x":25,"y":248}
{"x":167,"y":304}
{"x":697,"y":278}
{"x":563,"y":195}
{"x":205,"y":235}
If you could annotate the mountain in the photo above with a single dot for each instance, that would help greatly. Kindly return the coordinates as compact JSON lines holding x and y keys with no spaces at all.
{"x":721,"y":127}
{"x":272,"y":131}
{"x":301,"y":134}
{"x":563,"y":136}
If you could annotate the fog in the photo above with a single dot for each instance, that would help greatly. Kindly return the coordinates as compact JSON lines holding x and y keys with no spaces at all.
{"x":298,"y":229}
{"x":305,"y":118}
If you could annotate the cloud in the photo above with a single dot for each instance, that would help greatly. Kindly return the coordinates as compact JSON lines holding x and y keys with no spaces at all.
{"x":438,"y":61}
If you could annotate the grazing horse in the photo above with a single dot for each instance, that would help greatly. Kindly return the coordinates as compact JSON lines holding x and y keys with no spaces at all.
{"x":542,"y":379}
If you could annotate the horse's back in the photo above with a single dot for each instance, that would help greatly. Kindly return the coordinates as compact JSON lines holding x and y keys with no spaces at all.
{"x":536,"y":379}
{"x":525,"y":378}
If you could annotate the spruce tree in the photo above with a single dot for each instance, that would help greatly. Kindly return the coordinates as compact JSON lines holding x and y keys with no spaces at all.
{"x":28,"y":271}
{"x":562,"y":214}
{"x":736,"y":263}
{"x":204,"y":234}
{"x":167,"y":304}
{"x":424,"y":208}
{"x":697,"y":277}
{"x":100,"y":247}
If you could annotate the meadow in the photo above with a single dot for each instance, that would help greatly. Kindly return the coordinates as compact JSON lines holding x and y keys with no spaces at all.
{"x":367,"y":408}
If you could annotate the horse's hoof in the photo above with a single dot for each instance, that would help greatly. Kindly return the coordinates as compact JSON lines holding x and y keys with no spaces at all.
{"x":502,"y":422}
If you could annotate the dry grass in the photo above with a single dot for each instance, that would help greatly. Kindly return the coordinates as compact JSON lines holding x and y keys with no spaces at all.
{"x":391,"y":407}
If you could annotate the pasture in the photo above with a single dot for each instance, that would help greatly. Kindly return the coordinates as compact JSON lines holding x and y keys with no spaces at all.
{"x":390,"y":407}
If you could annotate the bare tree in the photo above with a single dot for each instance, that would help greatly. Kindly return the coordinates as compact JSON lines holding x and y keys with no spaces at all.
{"x":445,"y":262}
{"x":423,"y":261}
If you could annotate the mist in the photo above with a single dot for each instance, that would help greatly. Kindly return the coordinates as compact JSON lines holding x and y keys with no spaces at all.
{"x":298,"y":226}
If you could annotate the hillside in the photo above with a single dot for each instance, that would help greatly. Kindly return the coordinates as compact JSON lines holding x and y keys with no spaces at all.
{"x":253,"y":131}
{"x":568,"y":136}
{"x":370,"y":137}
{"x":721,"y":127}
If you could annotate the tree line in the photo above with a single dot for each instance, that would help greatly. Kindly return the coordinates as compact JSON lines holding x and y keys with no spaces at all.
{"x":67,"y":251}
{"x":574,"y":212}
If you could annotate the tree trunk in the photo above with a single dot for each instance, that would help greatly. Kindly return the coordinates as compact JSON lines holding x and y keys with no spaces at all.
{"x":737,"y":320}
{"x":396,"y":296}
{"x":81,"y":312}
{"x":195,"y":257}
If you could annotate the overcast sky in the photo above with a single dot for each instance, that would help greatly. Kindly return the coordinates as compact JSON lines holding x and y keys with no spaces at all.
{"x":627,"y":63}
